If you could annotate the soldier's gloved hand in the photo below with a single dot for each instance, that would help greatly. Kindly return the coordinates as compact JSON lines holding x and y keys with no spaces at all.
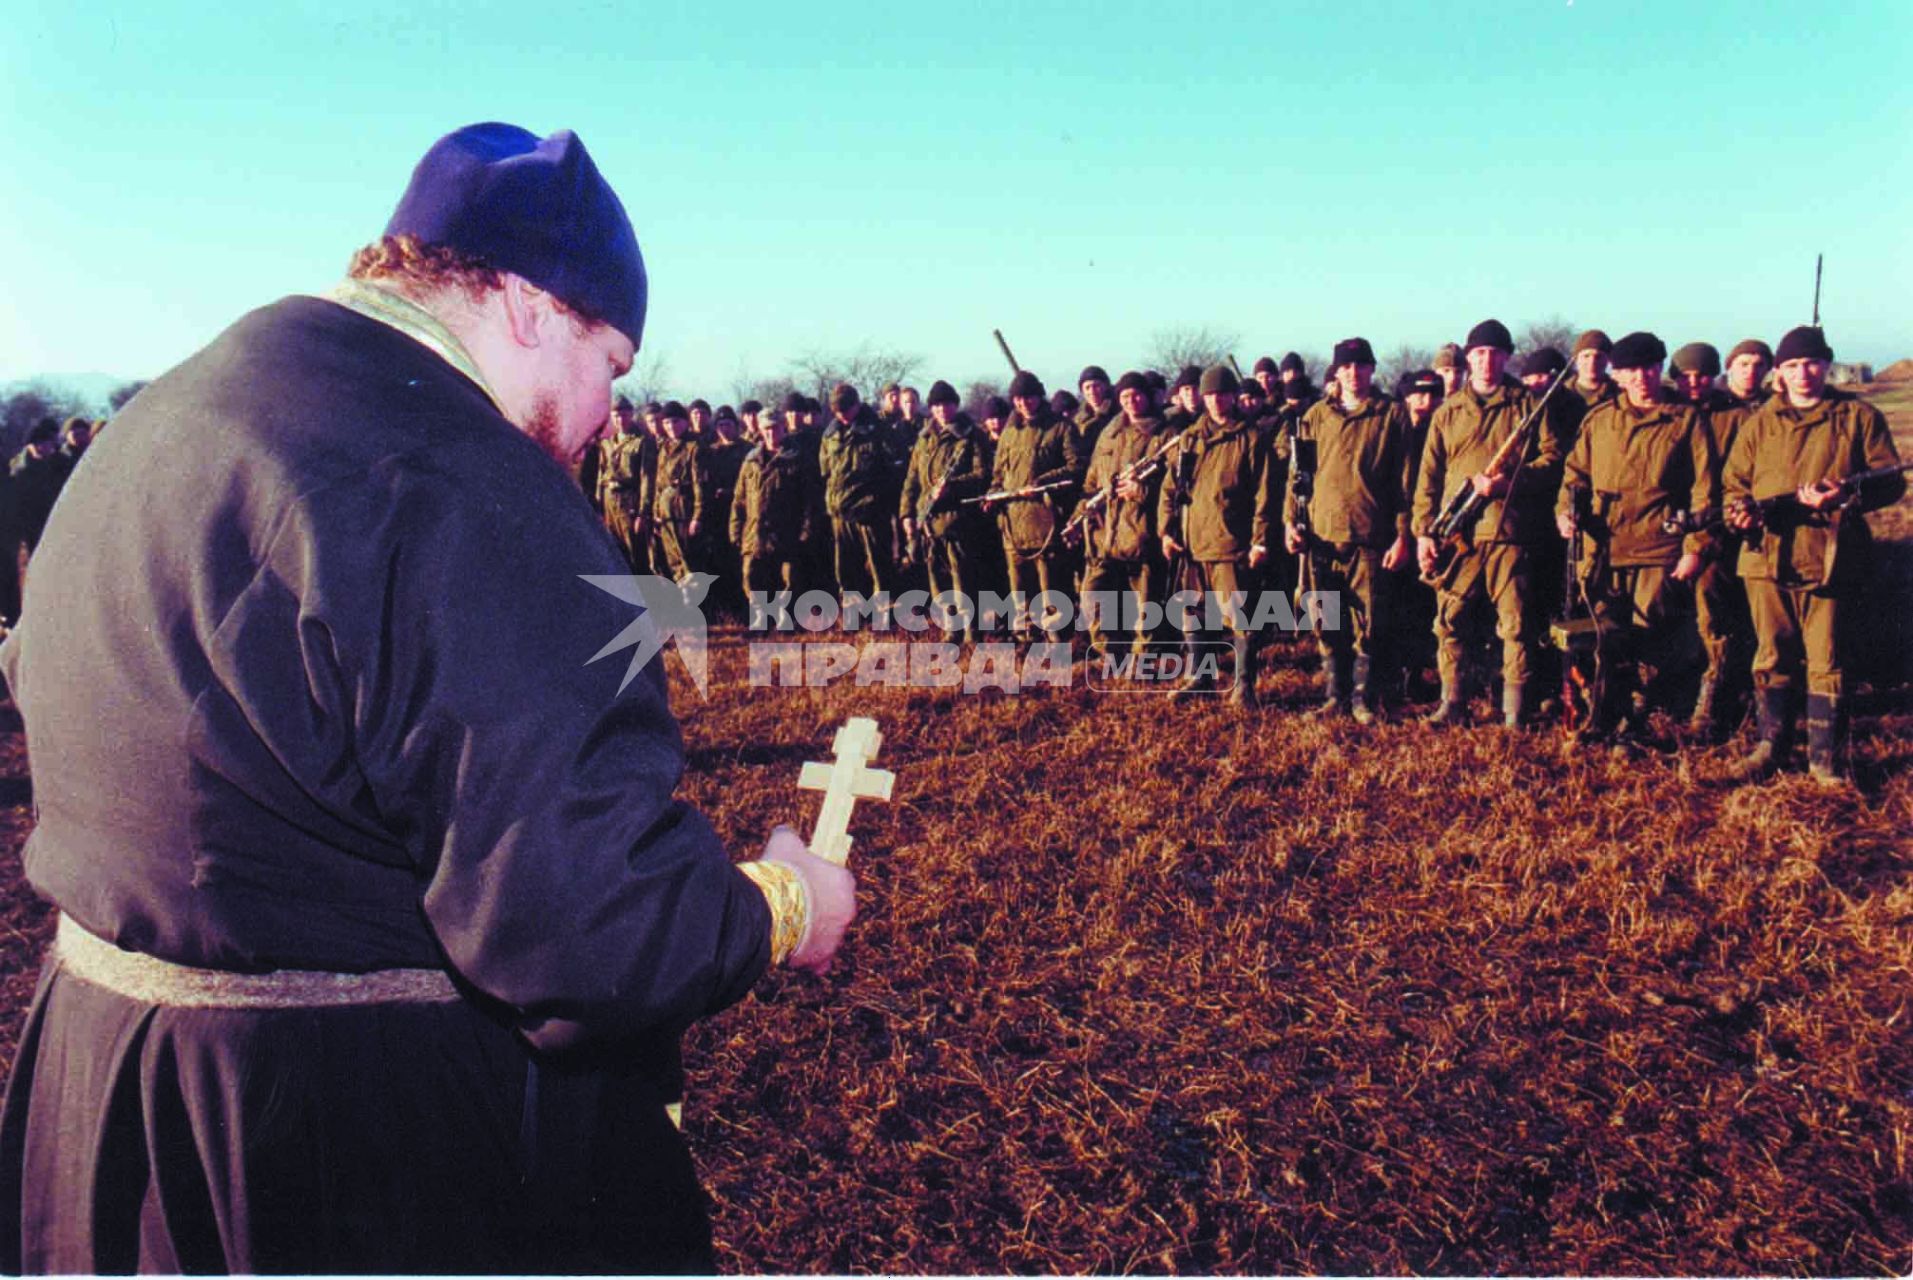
{"x":1425,"y":552}
{"x":832,"y":891}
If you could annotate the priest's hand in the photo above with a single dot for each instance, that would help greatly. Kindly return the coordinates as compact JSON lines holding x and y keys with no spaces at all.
{"x":832,"y":891}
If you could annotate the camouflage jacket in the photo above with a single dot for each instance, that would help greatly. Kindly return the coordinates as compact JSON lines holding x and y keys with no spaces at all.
{"x":779,"y":504}
{"x":860,"y":468}
{"x":625,"y":474}
{"x":1123,"y":529}
{"x":681,"y":485}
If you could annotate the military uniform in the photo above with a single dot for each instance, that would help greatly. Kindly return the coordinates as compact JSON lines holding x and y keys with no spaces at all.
{"x":1726,"y":629}
{"x":1462,"y":438}
{"x":1034,"y":452}
{"x":679,"y":503}
{"x":1802,"y":566}
{"x":1364,"y":470}
{"x":947,"y":466}
{"x":1120,"y":544}
{"x":778,"y":507}
{"x":1220,"y":503}
{"x":861,"y":479}
{"x":1638,"y":466}
{"x":624,"y":493}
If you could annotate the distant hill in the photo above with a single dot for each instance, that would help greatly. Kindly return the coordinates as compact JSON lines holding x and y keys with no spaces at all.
{"x":1898,"y":371}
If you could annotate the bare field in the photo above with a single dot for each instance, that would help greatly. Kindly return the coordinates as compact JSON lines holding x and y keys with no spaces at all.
{"x":1145,"y":987}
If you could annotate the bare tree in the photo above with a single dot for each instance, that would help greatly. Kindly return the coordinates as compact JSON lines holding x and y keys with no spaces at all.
{"x":975,"y":400}
{"x":769,"y":392}
{"x":1553,"y":332}
{"x":1173,"y":349}
{"x":649,"y":379}
{"x":1404,"y":359}
{"x":124,"y":392}
{"x":867,"y":368}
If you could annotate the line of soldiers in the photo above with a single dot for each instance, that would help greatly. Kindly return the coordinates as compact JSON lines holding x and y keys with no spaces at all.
{"x":1671,"y":529}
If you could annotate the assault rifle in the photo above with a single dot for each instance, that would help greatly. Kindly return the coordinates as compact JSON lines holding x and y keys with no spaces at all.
{"x":1709,"y":519}
{"x":1141,"y":469}
{"x":1453,"y":527}
{"x":1007,"y":353}
{"x":1010,"y":495}
{"x":1579,"y":638}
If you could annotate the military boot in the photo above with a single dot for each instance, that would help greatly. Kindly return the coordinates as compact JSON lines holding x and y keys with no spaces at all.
{"x":1243,"y":695}
{"x":1451,"y":710}
{"x":1514,"y":705}
{"x":1334,"y":688}
{"x":1823,"y":739}
{"x":1706,"y":706}
{"x":1363,"y":706}
{"x":1772,"y":707}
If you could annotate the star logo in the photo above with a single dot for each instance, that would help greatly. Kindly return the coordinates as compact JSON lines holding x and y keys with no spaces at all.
{"x":669,"y":613}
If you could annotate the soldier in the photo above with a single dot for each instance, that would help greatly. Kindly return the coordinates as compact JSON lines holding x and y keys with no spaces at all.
{"x":1726,"y":630}
{"x":679,"y":494}
{"x":39,"y":473}
{"x":952,"y":462}
{"x":1467,"y":430}
{"x":1098,"y":409}
{"x":910,"y":422}
{"x":79,"y":436}
{"x":1412,"y":640}
{"x":590,"y":464}
{"x":1639,"y":458}
{"x":1120,"y":540}
{"x":1296,"y":387}
{"x":1268,"y":376}
{"x":1185,"y":405}
{"x":700,"y":420}
{"x":1037,"y":448}
{"x":1590,"y":383}
{"x":624,"y":487}
{"x":889,"y":403}
{"x":1538,"y":367}
{"x":996,"y":416}
{"x":751,"y":412}
{"x":1451,"y":368}
{"x":861,"y":480}
{"x":1807,"y":556}
{"x":1354,"y":528}
{"x":1219,"y":505}
{"x":724,"y":452}
{"x":778,"y":509}
{"x":1063,"y":404}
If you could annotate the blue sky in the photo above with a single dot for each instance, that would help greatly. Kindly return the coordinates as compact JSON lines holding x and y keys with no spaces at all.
{"x":812,"y":177}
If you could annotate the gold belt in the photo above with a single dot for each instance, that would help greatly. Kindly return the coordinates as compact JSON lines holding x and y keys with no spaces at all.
{"x":161,"y":982}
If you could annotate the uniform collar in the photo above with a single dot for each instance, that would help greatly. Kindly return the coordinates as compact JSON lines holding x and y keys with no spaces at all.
{"x":415,"y":322}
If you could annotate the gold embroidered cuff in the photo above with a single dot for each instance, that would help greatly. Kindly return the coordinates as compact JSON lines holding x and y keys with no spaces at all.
{"x":789,"y":901}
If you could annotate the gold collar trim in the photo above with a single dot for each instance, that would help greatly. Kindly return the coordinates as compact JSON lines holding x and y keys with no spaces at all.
{"x":415,"y":322}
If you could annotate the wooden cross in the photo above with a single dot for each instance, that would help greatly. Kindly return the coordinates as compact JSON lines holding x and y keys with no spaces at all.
{"x":843,"y":783}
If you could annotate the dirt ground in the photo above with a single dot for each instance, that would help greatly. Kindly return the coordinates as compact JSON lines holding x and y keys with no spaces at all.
{"x":1141,"y":987}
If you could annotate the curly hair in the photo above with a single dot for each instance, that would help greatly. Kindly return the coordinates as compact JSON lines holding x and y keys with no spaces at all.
{"x":412,"y":265}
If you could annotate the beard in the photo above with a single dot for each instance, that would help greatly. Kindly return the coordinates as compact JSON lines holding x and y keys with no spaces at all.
{"x":541,"y":424}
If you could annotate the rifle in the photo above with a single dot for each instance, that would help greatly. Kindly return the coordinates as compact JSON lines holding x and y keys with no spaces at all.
{"x":1302,"y":484}
{"x":1238,"y":368}
{"x":919,"y":543}
{"x":1010,"y":495}
{"x":1818,"y":259}
{"x":1464,"y":505}
{"x":1007,"y":353}
{"x":1579,"y":639}
{"x":1709,"y":519}
{"x":1140,"y":469}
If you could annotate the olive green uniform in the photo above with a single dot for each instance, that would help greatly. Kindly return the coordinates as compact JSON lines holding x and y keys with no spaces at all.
{"x":1639,"y":467}
{"x":1466,"y":431}
{"x":678,"y":502}
{"x":624,"y":493}
{"x":777,"y":509}
{"x":1726,"y":630}
{"x":1121,"y":550}
{"x":1034,"y":452}
{"x":1358,"y":508}
{"x":947,"y":466}
{"x":1803,"y":564}
{"x":862,"y":475}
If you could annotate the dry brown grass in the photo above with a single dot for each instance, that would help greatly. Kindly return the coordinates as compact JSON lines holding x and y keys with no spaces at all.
{"x":1139,"y":987}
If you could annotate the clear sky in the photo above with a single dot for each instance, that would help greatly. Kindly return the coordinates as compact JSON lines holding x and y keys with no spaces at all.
{"x":814,"y":176}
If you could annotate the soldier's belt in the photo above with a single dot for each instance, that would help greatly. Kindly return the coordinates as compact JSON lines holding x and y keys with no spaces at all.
{"x":152,"y":980}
